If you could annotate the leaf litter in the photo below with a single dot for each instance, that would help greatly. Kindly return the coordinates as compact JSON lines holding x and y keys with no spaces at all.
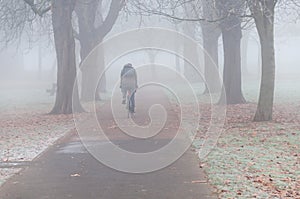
{"x":26,"y":132}
{"x":255,"y":159}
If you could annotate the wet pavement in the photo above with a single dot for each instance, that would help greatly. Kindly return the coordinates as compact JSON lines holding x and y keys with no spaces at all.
{"x":67,"y":170}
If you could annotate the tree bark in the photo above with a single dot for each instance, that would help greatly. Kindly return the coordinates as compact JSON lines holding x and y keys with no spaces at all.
{"x":265,"y":27}
{"x":66,"y":101}
{"x":86,"y":13}
{"x":232,"y":34}
{"x":211,"y":33}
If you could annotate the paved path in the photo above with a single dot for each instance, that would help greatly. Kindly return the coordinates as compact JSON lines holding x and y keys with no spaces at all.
{"x":67,"y":170}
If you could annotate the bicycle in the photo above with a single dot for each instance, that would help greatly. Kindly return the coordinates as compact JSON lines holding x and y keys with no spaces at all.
{"x":130,"y":104}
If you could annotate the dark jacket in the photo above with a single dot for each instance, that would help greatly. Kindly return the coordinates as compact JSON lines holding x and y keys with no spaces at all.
{"x":128,"y":82}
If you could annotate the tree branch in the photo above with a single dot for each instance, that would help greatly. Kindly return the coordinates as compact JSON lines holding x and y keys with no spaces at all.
{"x":106,"y":26}
{"x":197,"y":19}
{"x":38,"y":11}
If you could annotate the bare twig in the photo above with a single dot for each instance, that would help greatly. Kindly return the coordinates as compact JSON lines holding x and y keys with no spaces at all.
{"x":39,"y":11}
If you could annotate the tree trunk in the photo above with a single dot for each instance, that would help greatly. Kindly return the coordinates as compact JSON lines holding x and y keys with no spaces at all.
{"x":245,"y":44}
{"x":265,"y":30}
{"x":211,"y":62}
{"x":178,"y":49}
{"x":100,"y":60}
{"x":211,"y":33}
{"x":90,"y":35}
{"x":152,"y":55}
{"x":191,"y":72}
{"x":66,"y":101}
{"x":90,"y":75}
{"x":177,"y":64}
{"x":90,"y":72}
{"x":259,"y":61}
{"x":40,"y":62}
{"x":86,"y":13}
{"x":232,"y":35}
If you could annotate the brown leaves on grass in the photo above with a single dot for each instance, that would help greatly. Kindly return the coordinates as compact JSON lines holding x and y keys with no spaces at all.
{"x":24,"y":135}
{"x":255,"y":159}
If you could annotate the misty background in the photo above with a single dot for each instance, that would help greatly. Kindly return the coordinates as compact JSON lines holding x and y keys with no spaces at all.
{"x":28,"y":68}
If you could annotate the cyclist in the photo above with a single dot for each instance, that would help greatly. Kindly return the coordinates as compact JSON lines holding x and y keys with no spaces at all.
{"x":129,"y":83}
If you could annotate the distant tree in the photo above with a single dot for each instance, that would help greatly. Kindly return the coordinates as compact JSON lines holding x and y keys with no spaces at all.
{"x":231,"y":13}
{"x":177,"y":59}
{"x":18,"y":17}
{"x":152,"y":54}
{"x":210,"y":35}
{"x":215,"y":15}
{"x":244,"y":49}
{"x":231,"y":29}
{"x":191,"y":52}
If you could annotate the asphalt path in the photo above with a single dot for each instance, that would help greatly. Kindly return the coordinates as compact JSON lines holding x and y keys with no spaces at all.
{"x":67,"y":170}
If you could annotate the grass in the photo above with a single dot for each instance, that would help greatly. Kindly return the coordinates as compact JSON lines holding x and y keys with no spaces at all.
{"x":260,"y":166}
{"x":255,"y":160}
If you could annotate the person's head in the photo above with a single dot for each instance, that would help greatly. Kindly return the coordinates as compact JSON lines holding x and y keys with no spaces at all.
{"x":129,"y":65}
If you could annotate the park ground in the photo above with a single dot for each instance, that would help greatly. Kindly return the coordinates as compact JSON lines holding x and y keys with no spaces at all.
{"x":251,"y":160}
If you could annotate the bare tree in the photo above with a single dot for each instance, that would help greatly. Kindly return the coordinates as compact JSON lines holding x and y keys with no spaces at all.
{"x":18,"y":21}
{"x":178,"y":49}
{"x":244,"y":49}
{"x":18,"y":16}
{"x":232,"y":13}
{"x":92,"y":29}
{"x":215,"y":15}
{"x":67,"y":98}
{"x":210,"y":34}
{"x":191,"y":29}
{"x":263,"y":12}
{"x":232,"y":35}
{"x":152,"y":54}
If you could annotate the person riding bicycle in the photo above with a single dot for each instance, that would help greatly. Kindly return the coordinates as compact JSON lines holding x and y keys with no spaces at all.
{"x":128,"y":83}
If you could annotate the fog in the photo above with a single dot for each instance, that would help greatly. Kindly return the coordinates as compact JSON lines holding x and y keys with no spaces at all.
{"x":31,"y":66}
{"x":200,"y":96}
